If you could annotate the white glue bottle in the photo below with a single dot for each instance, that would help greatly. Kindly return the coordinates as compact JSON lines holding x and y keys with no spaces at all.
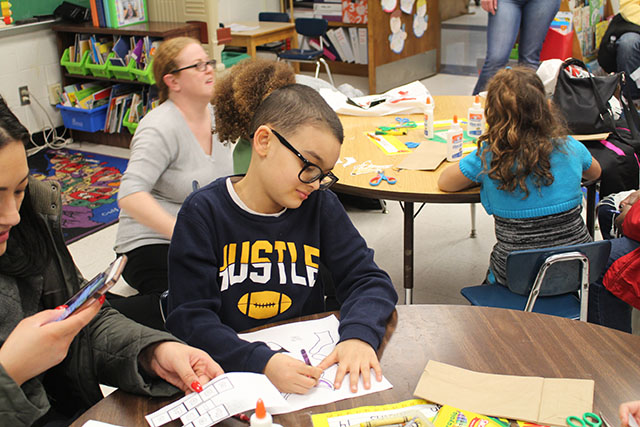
{"x":261,"y":418}
{"x":475,"y":120}
{"x":455,"y":137}
{"x":428,"y":120}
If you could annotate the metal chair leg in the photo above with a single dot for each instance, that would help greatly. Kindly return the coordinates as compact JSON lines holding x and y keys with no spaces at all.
{"x":473,"y":220}
{"x":326,"y":67}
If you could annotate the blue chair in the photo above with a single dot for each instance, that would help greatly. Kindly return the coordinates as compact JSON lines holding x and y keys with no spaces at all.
{"x":309,"y":27}
{"x":547,"y":280}
{"x":273,"y":17}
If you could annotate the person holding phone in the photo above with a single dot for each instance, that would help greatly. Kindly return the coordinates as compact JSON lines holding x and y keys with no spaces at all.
{"x":50,"y":370}
{"x":173,"y":152}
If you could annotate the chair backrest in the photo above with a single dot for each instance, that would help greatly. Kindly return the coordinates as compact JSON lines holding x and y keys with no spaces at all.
{"x":311,"y":27}
{"x":273,"y":17}
{"x":560,"y":277}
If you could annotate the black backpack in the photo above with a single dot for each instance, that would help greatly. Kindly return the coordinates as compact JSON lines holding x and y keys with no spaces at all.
{"x":607,"y":52}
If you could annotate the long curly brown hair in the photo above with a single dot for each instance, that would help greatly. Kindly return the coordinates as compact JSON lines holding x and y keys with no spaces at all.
{"x":524,"y":129}
{"x":239,"y":92}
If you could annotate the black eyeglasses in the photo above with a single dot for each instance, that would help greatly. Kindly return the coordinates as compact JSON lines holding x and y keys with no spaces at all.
{"x":200,"y":66}
{"x":310,"y":172}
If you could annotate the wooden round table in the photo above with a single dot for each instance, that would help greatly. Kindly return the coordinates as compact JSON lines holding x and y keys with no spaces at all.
{"x":478,"y":338}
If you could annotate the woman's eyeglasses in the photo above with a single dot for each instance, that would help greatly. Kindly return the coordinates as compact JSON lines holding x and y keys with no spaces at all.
{"x":200,"y":66}
{"x":310,"y":172}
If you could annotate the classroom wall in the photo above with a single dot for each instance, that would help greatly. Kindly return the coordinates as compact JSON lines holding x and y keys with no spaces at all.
{"x":228,"y":10}
{"x":30,"y":59}
{"x":23,"y":9}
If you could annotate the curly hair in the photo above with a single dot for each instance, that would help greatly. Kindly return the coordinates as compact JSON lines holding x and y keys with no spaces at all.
{"x":524,"y":129}
{"x":240,"y":91}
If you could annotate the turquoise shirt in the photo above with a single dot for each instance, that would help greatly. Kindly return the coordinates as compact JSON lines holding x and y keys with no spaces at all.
{"x":567,"y":165}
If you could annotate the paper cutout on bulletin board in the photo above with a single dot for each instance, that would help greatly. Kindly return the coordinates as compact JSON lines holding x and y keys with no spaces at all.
{"x":407,"y":6}
{"x":421,"y":8}
{"x":389,"y":5}
{"x":420,"y":25}
{"x":398,"y":34}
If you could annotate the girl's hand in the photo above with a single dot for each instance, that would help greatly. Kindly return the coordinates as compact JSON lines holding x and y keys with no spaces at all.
{"x":490,"y":6}
{"x":181,"y":365}
{"x":290,"y":375}
{"x":356,"y":357}
{"x":629,"y":409}
{"x":36,"y":345}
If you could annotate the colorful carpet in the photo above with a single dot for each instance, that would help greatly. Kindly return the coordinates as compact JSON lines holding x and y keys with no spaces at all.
{"x":89,"y":184}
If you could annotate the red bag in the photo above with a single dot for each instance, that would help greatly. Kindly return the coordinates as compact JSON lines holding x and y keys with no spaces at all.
{"x":623,"y":277}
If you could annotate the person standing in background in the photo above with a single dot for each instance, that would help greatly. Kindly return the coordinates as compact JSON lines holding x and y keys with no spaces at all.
{"x":506,"y":18}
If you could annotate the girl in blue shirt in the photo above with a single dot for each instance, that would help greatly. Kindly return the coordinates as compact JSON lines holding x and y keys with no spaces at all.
{"x":529,"y":170}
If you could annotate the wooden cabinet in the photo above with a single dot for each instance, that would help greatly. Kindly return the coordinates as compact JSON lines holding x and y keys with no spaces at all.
{"x":65,"y":37}
{"x":386,"y":69}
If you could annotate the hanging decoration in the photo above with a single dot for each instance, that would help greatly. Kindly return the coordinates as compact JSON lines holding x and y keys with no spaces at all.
{"x":398,"y":34}
{"x":420,"y":19}
{"x":389,"y":5}
{"x":407,"y":6}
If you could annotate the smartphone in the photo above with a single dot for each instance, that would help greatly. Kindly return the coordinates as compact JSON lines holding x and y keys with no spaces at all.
{"x":95,"y":288}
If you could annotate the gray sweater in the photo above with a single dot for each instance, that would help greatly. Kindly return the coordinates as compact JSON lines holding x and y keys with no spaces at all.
{"x":165,"y":161}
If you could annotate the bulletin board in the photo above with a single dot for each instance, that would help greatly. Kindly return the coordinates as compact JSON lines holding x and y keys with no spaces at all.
{"x":23,"y":9}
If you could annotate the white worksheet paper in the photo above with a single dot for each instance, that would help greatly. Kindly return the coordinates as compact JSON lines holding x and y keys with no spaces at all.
{"x":318,"y":338}
{"x":219,"y":399}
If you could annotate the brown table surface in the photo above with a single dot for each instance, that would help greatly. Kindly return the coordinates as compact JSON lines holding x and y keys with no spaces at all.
{"x":478,"y":338}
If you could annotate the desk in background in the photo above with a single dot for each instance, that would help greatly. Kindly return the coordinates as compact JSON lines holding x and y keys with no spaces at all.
{"x":483,"y":339}
{"x":412,"y":186}
{"x":265,"y":33}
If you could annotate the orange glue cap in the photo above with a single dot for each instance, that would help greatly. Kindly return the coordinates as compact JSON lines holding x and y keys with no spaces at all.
{"x":260,"y":411}
{"x":455,"y":118}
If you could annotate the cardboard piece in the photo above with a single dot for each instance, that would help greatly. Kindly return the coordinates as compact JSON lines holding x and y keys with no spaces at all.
{"x":547,"y":401}
{"x":426,"y":157}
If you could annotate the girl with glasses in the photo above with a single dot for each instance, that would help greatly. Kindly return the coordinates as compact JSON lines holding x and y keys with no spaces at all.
{"x":247,"y":250}
{"x":172,"y":152}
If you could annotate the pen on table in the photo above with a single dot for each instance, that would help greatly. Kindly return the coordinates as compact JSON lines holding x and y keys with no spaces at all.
{"x":391,"y":132}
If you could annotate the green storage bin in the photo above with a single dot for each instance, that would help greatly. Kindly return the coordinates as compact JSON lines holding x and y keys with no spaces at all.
{"x":514,"y":52}
{"x":75,"y":67}
{"x":229,"y":59}
{"x":99,"y":70}
{"x":124,"y":73}
{"x":146,"y":75}
{"x":131,"y":126}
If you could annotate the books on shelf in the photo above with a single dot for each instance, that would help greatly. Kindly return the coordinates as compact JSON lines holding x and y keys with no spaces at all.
{"x":347,"y":44}
{"x":118,"y":13}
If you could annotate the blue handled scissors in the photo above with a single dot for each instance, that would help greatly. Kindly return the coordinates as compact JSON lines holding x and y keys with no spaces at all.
{"x":405,"y":123}
{"x":589,"y":419}
{"x":375,"y":181}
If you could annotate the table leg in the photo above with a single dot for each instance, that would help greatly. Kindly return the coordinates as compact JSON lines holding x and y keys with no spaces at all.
{"x":251,"y":49}
{"x":591,"y":209}
{"x":408,"y":252}
{"x":473,"y":220}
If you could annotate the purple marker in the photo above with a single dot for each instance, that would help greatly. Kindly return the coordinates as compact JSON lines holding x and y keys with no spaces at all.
{"x":305,"y":357}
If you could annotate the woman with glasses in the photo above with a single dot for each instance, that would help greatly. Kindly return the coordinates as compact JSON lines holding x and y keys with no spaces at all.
{"x":247,"y":249}
{"x":173,"y":152}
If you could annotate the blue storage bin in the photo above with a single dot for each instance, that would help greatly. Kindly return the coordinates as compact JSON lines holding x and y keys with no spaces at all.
{"x":86,"y":120}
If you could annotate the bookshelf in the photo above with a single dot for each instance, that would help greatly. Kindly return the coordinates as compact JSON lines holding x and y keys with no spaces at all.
{"x":420,"y":57}
{"x":65,"y":36}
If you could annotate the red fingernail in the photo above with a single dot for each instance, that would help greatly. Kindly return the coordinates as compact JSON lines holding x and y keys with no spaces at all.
{"x":102,"y":299}
{"x":62,"y":307}
{"x":195,"y":386}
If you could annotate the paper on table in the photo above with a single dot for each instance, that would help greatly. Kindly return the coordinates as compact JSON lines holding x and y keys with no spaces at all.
{"x":239,"y":27}
{"x":427,"y":157}
{"x":219,"y":399}
{"x":547,"y":401}
{"x":318,"y":338}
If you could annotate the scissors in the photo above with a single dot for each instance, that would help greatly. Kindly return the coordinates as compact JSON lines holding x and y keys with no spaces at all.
{"x":381,"y":176}
{"x":589,"y":419}
{"x":405,"y":123}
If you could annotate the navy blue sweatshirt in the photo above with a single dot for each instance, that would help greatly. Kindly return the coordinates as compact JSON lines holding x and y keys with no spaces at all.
{"x":231,"y":270}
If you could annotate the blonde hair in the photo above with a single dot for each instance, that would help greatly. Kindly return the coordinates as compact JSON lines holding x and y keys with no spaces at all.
{"x":164,"y":61}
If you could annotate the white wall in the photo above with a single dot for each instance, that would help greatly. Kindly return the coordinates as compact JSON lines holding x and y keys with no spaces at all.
{"x":245,"y":10}
{"x":31,"y":59}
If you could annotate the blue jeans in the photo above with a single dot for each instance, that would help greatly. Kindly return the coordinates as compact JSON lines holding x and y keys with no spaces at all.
{"x":532,"y":18}
{"x":628,"y":59}
{"x":605,"y":308}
